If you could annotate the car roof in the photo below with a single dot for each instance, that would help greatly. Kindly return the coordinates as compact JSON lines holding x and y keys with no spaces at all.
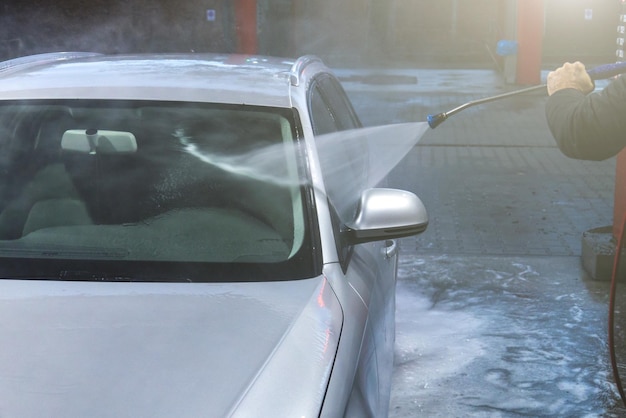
{"x":220,"y":78}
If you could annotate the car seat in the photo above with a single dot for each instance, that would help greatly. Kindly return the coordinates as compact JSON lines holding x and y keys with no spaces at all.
{"x":35,"y":172}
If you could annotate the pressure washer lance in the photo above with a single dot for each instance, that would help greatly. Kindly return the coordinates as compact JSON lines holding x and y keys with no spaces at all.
{"x":598,"y":73}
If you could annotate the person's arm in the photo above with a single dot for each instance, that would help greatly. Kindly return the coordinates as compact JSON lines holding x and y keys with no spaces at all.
{"x":586,"y":126}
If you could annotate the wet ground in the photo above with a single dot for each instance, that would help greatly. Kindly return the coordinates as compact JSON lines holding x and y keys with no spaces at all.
{"x":501,"y":337}
{"x":496,"y":316}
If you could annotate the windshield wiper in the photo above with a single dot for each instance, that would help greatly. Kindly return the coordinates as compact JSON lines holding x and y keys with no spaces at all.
{"x":45,"y":251}
{"x":93,"y":276}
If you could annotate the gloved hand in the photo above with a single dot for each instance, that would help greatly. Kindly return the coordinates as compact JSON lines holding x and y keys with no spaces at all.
{"x":570,"y":76}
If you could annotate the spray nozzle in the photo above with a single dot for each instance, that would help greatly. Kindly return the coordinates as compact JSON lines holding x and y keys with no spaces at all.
{"x":436,"y":120}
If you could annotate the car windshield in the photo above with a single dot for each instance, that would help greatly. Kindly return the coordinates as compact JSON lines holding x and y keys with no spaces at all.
{"x":96,"y":190}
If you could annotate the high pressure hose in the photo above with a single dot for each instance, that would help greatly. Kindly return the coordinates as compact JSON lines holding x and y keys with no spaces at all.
{"x":597,"y":73}
{"x":611,"y":331}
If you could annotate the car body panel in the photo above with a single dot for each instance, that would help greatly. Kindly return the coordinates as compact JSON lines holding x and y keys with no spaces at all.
{"x":207,"y":78}
{"x":165,"y":349}
{"x":315,"y":346}
{"x":368,"y":291}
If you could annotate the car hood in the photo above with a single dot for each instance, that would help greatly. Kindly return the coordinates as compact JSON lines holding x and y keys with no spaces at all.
{"x":166,"y":349}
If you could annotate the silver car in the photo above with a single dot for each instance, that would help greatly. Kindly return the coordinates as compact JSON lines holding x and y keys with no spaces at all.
{"x":190,"y":235}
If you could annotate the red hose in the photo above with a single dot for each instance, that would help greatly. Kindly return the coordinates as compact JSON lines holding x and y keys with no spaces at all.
{"x":618,"y":252}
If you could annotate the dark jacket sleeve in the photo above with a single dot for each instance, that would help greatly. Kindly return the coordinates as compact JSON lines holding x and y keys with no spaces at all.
{"x":589,"y":127}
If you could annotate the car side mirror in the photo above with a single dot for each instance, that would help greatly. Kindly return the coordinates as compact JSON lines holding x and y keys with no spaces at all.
{"x":386,"y":214}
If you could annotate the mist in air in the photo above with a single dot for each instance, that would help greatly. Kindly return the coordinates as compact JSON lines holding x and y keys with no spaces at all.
{"x":359,"y":159}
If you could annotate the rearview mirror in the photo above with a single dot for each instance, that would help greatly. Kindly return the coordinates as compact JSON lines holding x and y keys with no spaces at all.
{"x":92,"y":141}
{"x":387,"y":214}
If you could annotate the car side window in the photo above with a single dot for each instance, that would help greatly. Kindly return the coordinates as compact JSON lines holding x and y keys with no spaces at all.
{"x":321,"y":116}
{"x":331,"y":110}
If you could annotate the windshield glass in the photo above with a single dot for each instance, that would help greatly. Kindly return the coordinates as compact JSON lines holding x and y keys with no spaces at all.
{"x":151,"y":191}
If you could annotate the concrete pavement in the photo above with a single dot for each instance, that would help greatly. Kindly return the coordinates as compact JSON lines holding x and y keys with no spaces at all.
{"x":496,"y":316}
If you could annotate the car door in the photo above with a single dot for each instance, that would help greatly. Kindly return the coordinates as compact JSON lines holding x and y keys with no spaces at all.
{"x":369,"y":268}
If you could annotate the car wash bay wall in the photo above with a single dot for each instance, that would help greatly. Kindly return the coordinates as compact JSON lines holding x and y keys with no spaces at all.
{"x":416,"y":32}
{"x":580,"y":30}
{"x":349,"y":30}
{"x":455,"y":32}
{"x":419,"y":31}
{"x":116,"y":26}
